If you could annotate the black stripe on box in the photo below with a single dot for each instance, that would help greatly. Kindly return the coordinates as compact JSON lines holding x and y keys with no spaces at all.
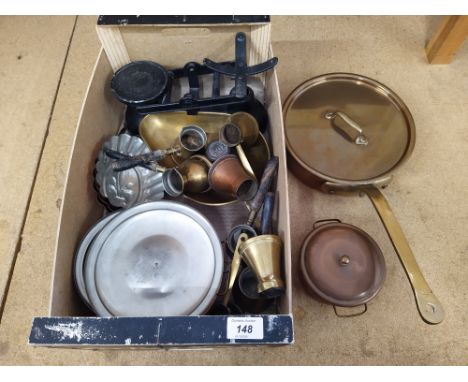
{"x":193,"y":19}
{"x":152,"y":331}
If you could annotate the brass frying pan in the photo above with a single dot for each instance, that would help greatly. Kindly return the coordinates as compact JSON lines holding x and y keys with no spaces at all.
{"x":347,"y":132}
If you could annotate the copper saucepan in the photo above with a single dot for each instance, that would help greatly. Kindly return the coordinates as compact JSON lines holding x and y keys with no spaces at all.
{"x":342,"y":265}
{"x":347,"y":132}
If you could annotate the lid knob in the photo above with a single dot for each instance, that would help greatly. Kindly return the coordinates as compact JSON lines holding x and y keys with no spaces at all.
{"x":344,"y":260}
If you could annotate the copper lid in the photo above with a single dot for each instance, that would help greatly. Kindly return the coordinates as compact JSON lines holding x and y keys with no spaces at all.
{"x":342,"y":264}
{"x":347,"y":127}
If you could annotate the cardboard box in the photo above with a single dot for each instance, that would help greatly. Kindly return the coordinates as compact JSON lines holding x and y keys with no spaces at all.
{"x":170,"y":41}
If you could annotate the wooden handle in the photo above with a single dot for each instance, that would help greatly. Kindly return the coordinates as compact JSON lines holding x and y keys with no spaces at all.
{"x":265,"y":183}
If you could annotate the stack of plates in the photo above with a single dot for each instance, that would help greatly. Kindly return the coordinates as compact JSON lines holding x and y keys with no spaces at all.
{"x":155,"y":259}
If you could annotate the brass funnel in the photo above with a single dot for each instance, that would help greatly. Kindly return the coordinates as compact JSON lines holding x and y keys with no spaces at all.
{"x":263,"y":255}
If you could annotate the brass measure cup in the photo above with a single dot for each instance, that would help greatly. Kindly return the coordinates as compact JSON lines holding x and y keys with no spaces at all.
{"x":263,"y":255}
{"x":191,"y":139}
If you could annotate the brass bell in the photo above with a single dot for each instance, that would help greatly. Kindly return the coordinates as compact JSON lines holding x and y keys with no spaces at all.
{"x":263,"y":255}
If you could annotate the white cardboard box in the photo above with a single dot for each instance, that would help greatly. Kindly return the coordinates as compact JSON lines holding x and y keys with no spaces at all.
{"x":171,"y":42}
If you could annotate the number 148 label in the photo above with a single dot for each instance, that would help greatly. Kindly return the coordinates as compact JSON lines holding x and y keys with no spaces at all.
{"x":245,"y":328}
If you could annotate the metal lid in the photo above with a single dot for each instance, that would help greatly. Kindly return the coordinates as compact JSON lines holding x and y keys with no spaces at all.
{"x":342,"y":264}
{"x":154,"y":259}
{"x":80,"y":255}
{"x":347,"y":127}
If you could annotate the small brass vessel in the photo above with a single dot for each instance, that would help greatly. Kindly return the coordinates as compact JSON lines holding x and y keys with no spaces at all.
{"x":189,"y":177}
{"x":227,"y":176}
{"x":191,"y":140}
{"x":263,"y":255}
{"x":194,"y":173}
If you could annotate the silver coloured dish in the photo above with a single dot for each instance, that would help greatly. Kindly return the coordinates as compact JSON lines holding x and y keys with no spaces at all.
{"x":129,"y":187}
{"x":80,"y":256}
{"x":154,"y":259}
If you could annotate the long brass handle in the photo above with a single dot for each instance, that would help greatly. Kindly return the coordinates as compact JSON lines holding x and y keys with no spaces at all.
{"x":245,"y":162}
{"x":429,"y":306}
{"x":235,"y":265}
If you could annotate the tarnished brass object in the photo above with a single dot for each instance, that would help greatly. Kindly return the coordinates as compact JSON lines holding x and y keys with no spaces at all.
{"x":191,"y":140}
{"x":248,"y":126}
{"x":235,"y":266}
{"x":227,"y":176}
{"x":160,"y":131}
{"x":195,"y":174}
{"x":430,"y":308}
{"x":263,"y":255}
{"x":189,"y":177}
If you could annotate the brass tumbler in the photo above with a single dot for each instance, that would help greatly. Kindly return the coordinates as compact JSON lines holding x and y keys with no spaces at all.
{"x":263,"y":255}
{"x":191,"y":176}
{"x":227,"y":175}
{"x":195,"y":174}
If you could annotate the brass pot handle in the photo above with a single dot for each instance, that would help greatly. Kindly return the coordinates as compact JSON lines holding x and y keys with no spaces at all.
{"x":429,"y":306}
{"x":360,"y":139}
{"x":325,"y":221}
{"x":351,"y":314}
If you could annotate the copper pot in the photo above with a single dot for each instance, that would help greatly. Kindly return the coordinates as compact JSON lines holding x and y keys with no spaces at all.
{"x":227,"y":176}
{"x":347,"y":132}
{"x":341,"y":264}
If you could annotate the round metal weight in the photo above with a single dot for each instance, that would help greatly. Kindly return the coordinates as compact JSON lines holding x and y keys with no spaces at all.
{"x":139,"y":82}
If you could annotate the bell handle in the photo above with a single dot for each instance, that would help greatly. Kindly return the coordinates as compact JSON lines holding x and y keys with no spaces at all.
{"x":429,"y":306}
{"x":360,"y":139}
{"x":235,"y":265}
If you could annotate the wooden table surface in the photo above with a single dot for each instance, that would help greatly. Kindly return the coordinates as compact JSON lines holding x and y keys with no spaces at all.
{"x":46,"y":63}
